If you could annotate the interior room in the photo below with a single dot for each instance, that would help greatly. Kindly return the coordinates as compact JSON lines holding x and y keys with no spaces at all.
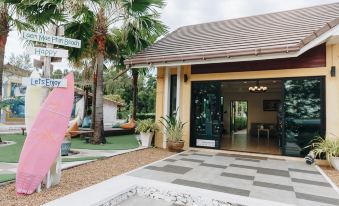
{"x":251,"y":120}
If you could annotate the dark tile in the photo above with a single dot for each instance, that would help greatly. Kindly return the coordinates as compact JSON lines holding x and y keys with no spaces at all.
{"x":245,"y":177}
{"x":192,"y":160}
{"x":246,"y":159}
{"x":217,"y":188}
{"x":310,"y":182}
{"x":244,"y":166}
{"x":184,"y":155}
{"x":273,"y":186}
{"x":213,"y":165}
{"x":316,"y":198}
{"x":241,"y":156}
{"x":304,"y":171}
{"x":170,"y":169}
{"x":266,"y":171}
{"x":170,"y":160}
{"x":204,"y":155}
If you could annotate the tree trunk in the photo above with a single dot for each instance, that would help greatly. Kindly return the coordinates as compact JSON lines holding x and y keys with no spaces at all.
{"x":94,"y":90}
{"x":135,"y":75}
{"x":3,"y":41}
{"x":99,"y":104}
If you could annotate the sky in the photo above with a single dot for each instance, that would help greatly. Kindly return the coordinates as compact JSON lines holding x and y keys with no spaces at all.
{"x":179,"y":13}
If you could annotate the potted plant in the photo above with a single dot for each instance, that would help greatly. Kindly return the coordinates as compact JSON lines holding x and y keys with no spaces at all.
{"x":66,"y":145}
{"x":328,"y":147}
{"x":174,"y":129}
{"x":146,"y":128}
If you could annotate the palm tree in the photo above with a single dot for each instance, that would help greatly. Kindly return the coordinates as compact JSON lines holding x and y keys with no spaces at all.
{"x":100,"y":16}
{"x":25,"y":14}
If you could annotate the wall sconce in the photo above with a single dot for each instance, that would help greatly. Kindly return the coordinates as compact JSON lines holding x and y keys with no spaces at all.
{"x":333,"y":71}
{"x":185,"y":77}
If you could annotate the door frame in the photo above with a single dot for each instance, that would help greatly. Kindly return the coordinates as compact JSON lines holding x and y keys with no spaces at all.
{"x":232,"y":112}
{"x":322,"y":104}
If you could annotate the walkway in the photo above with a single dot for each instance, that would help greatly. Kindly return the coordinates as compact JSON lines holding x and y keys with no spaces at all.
{"x":207,"y":177}
{"x":280,"y":180}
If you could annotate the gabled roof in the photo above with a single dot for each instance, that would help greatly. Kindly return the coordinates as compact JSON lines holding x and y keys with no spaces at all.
{"x":17,"y":71}
{"x":281,"y":32}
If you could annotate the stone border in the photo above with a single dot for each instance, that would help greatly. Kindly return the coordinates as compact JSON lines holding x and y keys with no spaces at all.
{"x":165,"y":195}
{"x":8,"y":143}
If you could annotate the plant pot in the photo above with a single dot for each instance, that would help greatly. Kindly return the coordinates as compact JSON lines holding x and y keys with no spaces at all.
{"x":146,"y":138}
{"x":335,"y":162}
{"x":175,"y":146}
{"x":65,"y":147}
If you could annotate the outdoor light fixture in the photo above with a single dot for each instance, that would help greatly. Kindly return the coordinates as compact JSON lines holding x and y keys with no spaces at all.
{"x":333,"y":71}
{"x":257,"y":88}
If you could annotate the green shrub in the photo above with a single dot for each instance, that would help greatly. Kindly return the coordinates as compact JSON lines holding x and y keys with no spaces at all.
{"x":143,"y":116}
{"x":240,"y":123}
{"x":147,"y":125}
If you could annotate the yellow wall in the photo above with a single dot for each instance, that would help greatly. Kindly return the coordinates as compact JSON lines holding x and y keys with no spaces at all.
{"x":332,"y":89}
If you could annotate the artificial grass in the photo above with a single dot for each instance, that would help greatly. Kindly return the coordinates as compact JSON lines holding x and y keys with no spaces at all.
{"x":7,"y":177}
{"x":11,"y":153}
{"x":113,"y":143}
{"x":68,"y":159}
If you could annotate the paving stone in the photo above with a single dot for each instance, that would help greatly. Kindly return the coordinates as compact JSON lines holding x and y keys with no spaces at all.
{"x":238,"y":176}
{"x":273,"y":186}
{"x":324,"y":184}
{"x":213,"y":187}
{"x":304,"y":171}
{"x":316,"y":198}
{"x":170,"y":169}
{"x":273,"y":172}
{"x":213,"y":165}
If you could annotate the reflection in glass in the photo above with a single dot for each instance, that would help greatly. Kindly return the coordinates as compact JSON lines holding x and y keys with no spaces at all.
{"x":302,"y":113}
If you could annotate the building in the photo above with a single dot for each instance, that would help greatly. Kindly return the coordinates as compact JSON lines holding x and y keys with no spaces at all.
{"x":282,"y":67}
{"x":110,"y":110}
{"x":12,"y":87}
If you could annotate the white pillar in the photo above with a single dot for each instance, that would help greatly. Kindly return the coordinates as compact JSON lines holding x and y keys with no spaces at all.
{"x":177,"y":107}
{"x":167,"y":93}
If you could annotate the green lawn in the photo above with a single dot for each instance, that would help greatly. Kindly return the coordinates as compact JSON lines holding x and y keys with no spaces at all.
{"x":11,"y":153}
{"x":113,"y":143}
{"x":6,"y":177}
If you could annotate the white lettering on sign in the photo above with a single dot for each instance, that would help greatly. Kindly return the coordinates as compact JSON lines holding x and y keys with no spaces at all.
{"x":44,"y":82}
{"x":48,"y":52}
{"x":50,"y":39}
{"x":205,"y":143}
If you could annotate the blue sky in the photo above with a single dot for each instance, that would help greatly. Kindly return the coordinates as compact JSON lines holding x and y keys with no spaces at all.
{"x":186,"y":12}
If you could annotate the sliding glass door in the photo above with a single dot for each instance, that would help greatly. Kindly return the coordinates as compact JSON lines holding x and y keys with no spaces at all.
{"x":303,"y":114}
{"x":206,"y":115}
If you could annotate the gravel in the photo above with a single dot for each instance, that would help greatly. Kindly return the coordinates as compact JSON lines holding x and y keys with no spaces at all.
{"x":331,"y":173}
{"x":83,"y":176}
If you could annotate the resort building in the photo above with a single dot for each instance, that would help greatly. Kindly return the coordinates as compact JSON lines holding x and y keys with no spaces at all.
{"x":266,"y":83}
{"x":12,"y":88}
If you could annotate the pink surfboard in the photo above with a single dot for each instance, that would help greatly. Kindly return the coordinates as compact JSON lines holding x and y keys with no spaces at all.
{"x":44,"y":140}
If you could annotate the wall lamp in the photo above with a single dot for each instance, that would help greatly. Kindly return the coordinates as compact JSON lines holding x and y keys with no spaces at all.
{"x":333,"y":71}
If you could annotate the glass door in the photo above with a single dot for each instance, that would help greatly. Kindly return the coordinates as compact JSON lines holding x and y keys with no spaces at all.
{"x":303,"y":114}
{"x":206,"y":124}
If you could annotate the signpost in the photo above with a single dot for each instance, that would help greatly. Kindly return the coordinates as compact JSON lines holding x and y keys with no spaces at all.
{"x":44,"y":82}
{"x":51,"y":39}
{"x":47,"y":52}
{"x":54,"y":174}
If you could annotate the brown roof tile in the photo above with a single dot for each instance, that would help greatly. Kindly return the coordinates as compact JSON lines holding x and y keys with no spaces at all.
{"x":280,"y":32}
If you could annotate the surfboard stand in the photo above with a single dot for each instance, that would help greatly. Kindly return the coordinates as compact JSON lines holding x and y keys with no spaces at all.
{"x":53,"y":176}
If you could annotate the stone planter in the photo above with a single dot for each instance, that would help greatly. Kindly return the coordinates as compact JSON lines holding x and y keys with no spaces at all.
{"x":335,"y":162}
{"x":65,"y":147}
{"x":175,"y":146}
{"x":146,"y":138}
